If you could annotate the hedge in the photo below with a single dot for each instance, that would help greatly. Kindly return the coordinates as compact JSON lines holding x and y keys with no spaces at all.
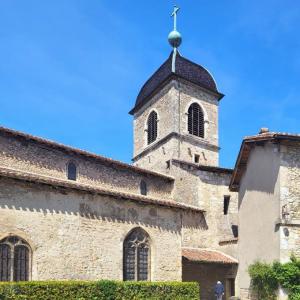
{"x":99,"y":290}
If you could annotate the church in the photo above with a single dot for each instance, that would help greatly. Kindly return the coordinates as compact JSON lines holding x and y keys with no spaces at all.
{"x":173,"y":215}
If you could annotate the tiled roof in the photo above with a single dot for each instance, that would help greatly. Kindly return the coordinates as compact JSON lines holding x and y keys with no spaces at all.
{"x":212,"y":169}
{"x":245,"y":150}
{"x":71,"y":185}
{"x":207,"y":256}
{"x":185,"y":69}
{"x":83,"y":153}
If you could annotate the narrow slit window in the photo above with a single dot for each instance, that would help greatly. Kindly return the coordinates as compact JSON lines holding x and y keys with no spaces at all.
{"x":168,"y":162}
{"x":226,"y":204}
{"x":196,"y":158}
{"x":235,"y":230}
{"x":72,"y":171}
{"x":143,"y":188}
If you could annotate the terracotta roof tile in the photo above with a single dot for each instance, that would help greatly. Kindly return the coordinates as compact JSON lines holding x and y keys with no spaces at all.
{"x":207,"y":256}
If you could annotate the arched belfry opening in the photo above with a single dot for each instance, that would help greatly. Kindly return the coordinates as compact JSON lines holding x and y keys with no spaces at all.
{"x":196,"y":120}
{"x":152,"y":127}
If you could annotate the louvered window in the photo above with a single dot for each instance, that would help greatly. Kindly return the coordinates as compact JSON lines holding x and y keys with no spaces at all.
{"x":21,"y":263}
{"x":152,"y":127}
{"x":5,"y":262}
{"x":14,"y":259}
{"x":72,"y":171}
{"x":143,"y":188}
{"x":137,"y":256}
{"x":196,"y":120}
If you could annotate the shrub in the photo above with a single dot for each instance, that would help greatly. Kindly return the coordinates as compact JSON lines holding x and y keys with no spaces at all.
{"x":100,"y":290}
{"x":265,"y":278}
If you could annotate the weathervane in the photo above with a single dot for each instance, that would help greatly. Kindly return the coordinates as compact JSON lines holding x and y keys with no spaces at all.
{"x":174,"y":37}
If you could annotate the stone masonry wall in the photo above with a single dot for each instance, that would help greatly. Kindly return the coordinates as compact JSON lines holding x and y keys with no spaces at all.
{"x":164,"y":103}
{"x":206,"y":190}
{"x":40,"y":159}
{"x":171,"y":105}
{"x":75,"y":235}
{"x":290,"y":198}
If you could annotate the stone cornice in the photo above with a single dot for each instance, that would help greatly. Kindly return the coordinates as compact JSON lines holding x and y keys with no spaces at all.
{"x":183,"y":137}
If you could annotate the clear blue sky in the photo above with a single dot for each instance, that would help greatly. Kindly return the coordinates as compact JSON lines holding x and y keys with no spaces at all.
{"x":71,"y":69}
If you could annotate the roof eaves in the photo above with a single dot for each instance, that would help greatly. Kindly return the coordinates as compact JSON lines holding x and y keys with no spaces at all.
{"x":66,"y":148}
{"x":165,"y":82}
{"x":51,"y":181}
{"x":197,"y":255}
{"x":243,"y":156}
{"x":206,"y":168}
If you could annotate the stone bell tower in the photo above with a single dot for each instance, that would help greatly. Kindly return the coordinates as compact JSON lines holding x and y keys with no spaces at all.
{"x":176,"y":114}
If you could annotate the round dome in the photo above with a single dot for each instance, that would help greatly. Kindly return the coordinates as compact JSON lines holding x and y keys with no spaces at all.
{"x":174,"y":38}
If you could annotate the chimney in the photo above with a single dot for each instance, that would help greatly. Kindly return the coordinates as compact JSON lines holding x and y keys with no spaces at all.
{"x":264,"y":130}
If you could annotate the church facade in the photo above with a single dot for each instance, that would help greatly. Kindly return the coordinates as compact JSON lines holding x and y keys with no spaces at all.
{"x":67,"y":214}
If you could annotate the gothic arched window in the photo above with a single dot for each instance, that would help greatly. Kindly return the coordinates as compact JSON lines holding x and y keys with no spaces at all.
{"x":72,"y":171}
{"x":152,"y":127}
{"x":143,"y":188}
{"x":137,"y":256}
{"x":196,"y":120}
{"x":14,"y":259}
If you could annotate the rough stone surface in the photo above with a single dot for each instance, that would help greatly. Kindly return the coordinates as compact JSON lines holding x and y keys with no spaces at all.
{"x":39,"y":159}
{"x":171,"y":105}
{"x":80,"y":236}
{"x":290,"y":200}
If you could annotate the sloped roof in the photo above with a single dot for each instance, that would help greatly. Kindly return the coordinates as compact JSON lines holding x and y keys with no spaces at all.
{"x":75,"y":186}
{"x":245,"y":150}
{"x":67,"y":149}
{"x":185,"y":69}
{"x":207,"y":256}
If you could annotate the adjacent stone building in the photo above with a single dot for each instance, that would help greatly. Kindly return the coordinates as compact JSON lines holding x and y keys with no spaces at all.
{"x":267,"y":176}
{"x":70,"y":214}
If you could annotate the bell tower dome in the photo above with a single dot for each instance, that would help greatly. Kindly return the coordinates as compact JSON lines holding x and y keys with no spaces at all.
{"x":176,"y":113}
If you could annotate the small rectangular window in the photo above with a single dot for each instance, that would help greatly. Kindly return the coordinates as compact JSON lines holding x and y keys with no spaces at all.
{"x":235,"y":230}
{"x":196,"y":158}
{"x":168,"y":164}
{"x":226,"y":204}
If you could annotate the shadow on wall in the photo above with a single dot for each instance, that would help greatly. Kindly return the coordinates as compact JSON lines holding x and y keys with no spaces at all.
{"x":95,"y":208}
{"x":192,"y":220}
{"x":262,"y":172}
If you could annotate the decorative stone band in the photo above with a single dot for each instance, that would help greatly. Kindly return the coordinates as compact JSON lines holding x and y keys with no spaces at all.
{"x":182,"y":137}
{"x":288,"y":223}
{"x":64,"y":184}
{"x":213,"y":169}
